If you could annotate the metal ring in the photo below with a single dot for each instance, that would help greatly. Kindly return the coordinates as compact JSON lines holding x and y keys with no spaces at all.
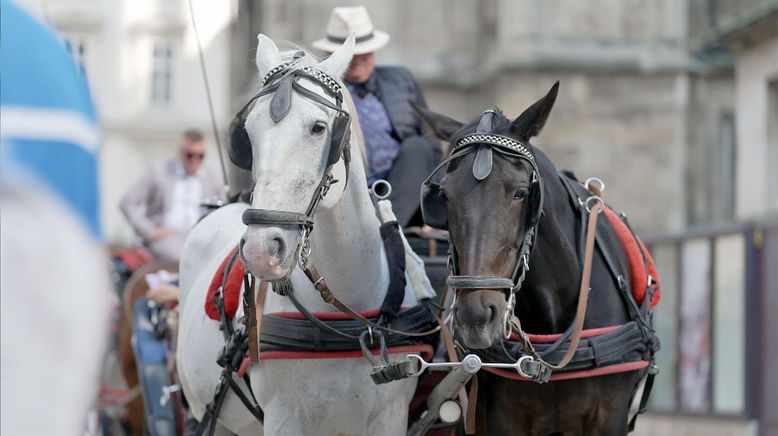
{"x":303,"y":248}
{"x":596,"y":199}
{"x":423,"y":365}
{"x":507,"y":326}
{"x":595,"y":180}
{"x":518,"y":366}
{"x":381,"y":189}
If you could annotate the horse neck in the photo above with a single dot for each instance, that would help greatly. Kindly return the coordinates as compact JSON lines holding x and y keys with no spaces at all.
{"x":348,"y":250}
{"x":346,"y":244}
{"x":548,"y":296}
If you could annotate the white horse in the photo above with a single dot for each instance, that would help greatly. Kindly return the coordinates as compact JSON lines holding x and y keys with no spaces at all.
{"x":299,"y":397}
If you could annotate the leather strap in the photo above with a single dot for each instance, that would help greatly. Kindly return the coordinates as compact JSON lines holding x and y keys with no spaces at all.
{"x":281,"y":333}
{"x":479,"y":282}
{"x":471,"y":403}
{"x":249,"y":303}
{"x":258,"y":294}
{"x":275,"y":217}
{"x":448,"y":342}
{"x":326,"y":294}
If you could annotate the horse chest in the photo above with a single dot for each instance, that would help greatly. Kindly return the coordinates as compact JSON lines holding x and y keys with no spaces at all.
{"x":329,"y":396}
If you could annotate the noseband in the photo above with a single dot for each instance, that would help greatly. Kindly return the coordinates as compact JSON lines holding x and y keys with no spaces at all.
{"x":281,"y":82}
{"x":484,"y":143}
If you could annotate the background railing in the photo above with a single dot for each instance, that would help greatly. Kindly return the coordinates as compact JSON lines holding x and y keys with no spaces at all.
{"x":713,"y":320}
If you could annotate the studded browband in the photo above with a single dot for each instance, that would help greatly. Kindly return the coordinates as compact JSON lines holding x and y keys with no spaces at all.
{"x":497,"y":140}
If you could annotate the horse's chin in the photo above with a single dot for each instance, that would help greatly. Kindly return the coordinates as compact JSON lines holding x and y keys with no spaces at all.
{"x":271,"y":269}
{"x":477,"y":337}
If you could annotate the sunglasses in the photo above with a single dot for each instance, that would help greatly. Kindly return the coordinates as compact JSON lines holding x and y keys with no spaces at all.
{"x":193,"y":156}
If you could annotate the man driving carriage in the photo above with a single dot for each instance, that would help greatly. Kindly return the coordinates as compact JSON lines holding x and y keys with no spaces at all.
{"x":396,"y":146}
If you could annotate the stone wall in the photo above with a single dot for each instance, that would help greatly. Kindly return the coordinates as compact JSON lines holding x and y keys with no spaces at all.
{"x":756,"y":71}
{"x":627,"y":129}
{"x":633,"y":106}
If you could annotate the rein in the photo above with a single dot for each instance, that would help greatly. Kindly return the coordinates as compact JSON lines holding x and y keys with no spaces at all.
{"x":329,"y":297}
{"x":483,"y":143}
{"x":280,"y":82}
{"x":580,"y":313}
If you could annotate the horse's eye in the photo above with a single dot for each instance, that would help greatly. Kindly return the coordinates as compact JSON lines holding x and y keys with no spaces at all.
{"x":521,"y":194}
{"x":318,"y":127}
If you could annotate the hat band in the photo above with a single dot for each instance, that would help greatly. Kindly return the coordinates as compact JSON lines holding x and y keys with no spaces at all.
{"x":359,"y":39}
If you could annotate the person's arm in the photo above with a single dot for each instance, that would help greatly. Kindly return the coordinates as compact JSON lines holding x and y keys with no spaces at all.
{"x":418,"y":99}
{"x":134,"y":205}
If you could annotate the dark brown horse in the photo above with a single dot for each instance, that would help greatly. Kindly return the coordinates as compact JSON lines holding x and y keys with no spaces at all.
{"x":490,"y":200}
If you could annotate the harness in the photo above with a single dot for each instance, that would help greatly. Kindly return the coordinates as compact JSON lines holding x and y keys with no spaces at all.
{"x":615,"y":347}
{"x":391,"y":327}
{"x":579,"y":353}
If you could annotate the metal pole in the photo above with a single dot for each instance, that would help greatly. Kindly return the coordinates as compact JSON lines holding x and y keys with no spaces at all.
{"x":208,"y":96}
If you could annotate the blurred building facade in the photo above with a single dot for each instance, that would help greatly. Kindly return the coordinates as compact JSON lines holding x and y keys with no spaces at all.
{"x":635,"y":106}
{"x":142,"y":63}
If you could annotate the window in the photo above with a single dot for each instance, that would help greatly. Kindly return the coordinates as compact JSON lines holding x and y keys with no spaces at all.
{"x":702,"y":323}
{"x":772,"y":145}
{"x":723,"y":179}
{"x":162,"y":74}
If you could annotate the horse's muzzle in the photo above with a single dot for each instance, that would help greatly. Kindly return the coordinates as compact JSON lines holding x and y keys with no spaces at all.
{"x":268,"y":252}
{"x":478,"y":317}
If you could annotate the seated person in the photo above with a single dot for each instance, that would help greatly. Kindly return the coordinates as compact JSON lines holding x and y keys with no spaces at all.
{"x":397,"y":149}
{"x":167,"y":201}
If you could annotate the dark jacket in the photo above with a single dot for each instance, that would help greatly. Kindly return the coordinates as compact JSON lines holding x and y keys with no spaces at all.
{"x":396,"y":89}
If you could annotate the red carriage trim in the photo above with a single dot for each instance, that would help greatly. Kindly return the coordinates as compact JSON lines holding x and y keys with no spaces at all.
{"x":636,"y":251}
{"x":232,"y":296}
{"x":231,"y":288}
{"x":134,"y":257}
{"x":584,"y":373}
{"x":548,"y":339}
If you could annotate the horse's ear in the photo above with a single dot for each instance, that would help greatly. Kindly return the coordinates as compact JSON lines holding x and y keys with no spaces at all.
{"x":338,"y":62}
{"x":532,"y":120}
{"x":441,"y":125}
{"x":267,"y":55}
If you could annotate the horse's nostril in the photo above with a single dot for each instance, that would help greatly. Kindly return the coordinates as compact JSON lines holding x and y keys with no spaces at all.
{"x":492,"y":312}
{"x":278,"y":248}
{"x":272,"y":247}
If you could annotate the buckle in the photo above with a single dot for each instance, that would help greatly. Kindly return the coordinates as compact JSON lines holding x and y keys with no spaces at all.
{"x":527,"y":367}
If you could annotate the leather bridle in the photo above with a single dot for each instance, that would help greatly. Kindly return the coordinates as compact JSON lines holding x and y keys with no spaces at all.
{"x":280,"y":82}
{"x":484,"y":143}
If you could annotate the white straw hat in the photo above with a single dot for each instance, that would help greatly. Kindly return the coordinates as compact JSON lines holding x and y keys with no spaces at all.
{"x":356,"y":20}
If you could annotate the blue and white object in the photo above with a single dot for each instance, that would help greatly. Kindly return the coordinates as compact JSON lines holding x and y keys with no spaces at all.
{"x":48,"y":126}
